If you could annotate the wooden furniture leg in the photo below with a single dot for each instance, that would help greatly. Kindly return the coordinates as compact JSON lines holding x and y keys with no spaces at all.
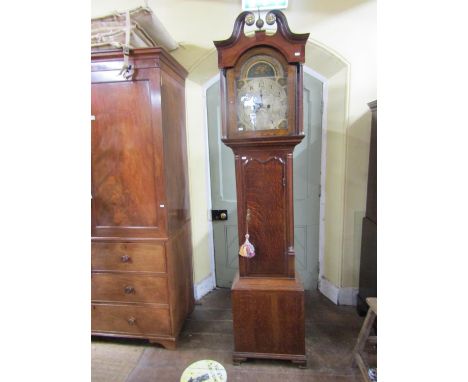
{"x":167,"y":344}
{"x":238,"y":360}
{"x":364,"y":337}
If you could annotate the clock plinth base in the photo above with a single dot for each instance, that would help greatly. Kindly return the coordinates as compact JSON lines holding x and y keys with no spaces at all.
{"x":268,"y":317}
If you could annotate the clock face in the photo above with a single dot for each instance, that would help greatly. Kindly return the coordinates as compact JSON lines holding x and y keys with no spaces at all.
{"x":262,"y":99}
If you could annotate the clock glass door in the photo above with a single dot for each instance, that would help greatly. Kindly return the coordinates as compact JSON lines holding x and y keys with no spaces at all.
{"x":262,"y":95}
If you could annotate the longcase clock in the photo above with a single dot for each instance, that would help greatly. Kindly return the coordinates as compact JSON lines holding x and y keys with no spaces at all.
{"x":261,"y":98}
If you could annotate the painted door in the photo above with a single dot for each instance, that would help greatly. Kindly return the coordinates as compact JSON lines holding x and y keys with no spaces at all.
{"x":307,"y":164}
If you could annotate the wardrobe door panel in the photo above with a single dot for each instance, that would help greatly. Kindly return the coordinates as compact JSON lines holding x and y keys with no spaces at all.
{"x":124,"y":163}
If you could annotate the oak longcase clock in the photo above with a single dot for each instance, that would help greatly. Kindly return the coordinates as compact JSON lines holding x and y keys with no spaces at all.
{"x":261,"y":102}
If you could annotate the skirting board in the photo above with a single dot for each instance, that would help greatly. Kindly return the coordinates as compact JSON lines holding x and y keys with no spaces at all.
{"x":339,"y":296}
{"x":203,"y":287}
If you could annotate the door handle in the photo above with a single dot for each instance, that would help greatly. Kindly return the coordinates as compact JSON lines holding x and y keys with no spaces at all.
{"x":219,"y":215}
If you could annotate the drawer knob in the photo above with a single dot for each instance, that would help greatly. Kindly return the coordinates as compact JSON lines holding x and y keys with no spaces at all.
{"x":129,"y":290}
{"x":131,"y":321}
{"x":125,"y":258}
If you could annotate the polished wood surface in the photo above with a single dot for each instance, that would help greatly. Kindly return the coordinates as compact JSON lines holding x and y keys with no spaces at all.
{"x":291,"y":45}
{"x":371,"y":203}
{"x":128,"y":257}
{"x":141,"y":247}
{"x":268,"y":318}
{"x":368,"y":265}
{"x":127,"y":172}
{"x":144,"y":320}
{"x":124,"y":185}
{"x":129,"y":288}
{"x":180,"y":279}
{"x":175,"y":159}
{"x":262,"y":184}
{"x":140,"y":58}
{"x":231,"y":54}
{"x":267,"y":297}
{"x":368,"y":262}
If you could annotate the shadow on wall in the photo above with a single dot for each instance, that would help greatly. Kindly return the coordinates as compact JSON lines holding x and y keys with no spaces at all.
{"x":190,"y":55}
{"x":358,"y":135}
{"x":200,"y":257}
{"x":357,"y":160}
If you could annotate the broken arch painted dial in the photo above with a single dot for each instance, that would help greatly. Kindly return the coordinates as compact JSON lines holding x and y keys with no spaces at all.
{"x":262,"y":99}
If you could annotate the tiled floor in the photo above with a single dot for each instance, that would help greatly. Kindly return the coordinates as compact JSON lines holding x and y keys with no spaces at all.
{"x":331,"y":333}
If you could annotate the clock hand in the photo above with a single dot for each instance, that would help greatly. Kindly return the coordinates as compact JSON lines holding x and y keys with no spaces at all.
{"x":258,"y":105}
{"x":261,"y":101}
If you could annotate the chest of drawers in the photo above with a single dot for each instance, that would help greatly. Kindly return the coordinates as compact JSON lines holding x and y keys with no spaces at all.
{"x":139,"y":290}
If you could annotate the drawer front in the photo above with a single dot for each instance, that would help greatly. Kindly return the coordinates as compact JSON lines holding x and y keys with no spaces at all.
{"x":138,"y":257}
{"x":128,"y":288}
{"x":133,"y":319}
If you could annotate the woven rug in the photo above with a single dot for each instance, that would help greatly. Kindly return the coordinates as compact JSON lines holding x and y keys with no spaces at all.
{"x":112,"y":362}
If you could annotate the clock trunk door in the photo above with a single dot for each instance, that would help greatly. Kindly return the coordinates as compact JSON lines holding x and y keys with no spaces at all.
{"x":262,"y":177}
{"x":306,"y":189}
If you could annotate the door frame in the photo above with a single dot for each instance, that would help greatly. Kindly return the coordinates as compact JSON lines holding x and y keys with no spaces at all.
{"x":211,"y":253}
{"x":323,"y":167}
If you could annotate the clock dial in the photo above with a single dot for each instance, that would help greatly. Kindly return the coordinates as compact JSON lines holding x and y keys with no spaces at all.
{"x":262,"y":100}
{"x":262,"y":104}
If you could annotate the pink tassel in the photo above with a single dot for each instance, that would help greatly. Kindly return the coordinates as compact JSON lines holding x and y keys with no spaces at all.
{"x":247,"y":249}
